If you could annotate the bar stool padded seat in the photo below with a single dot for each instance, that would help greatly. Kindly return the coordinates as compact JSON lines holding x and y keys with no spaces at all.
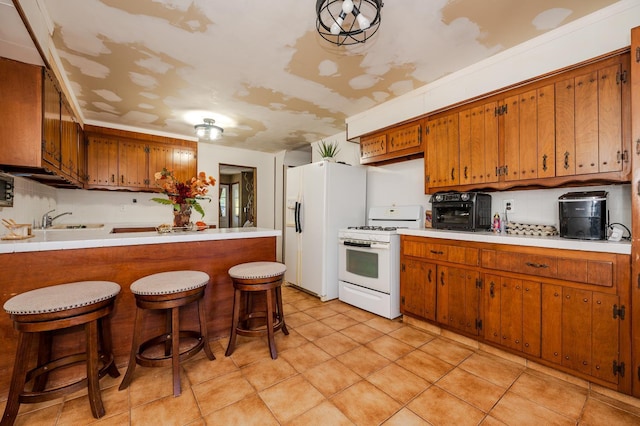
{"x":249,"y":278}
{"x":168,"y":291}
{"x":38,"y":313}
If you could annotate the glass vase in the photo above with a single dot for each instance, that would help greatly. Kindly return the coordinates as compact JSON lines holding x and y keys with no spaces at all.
{"x":182,"y":216}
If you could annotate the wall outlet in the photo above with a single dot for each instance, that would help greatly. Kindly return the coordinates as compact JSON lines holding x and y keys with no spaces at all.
{"x":509,"y":206}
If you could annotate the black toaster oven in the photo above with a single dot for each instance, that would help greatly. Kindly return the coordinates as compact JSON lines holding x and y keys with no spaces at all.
{"x":461,"y":211}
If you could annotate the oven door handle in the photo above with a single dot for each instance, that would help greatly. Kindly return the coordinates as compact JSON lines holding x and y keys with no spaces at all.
{"x":354,"y":244}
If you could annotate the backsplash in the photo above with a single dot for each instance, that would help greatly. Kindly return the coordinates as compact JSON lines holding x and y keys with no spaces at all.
{"x":31,"y":201}
{"x":402,"y":184}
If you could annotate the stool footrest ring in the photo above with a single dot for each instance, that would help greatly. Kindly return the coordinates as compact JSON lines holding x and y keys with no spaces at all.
{"x":166,"y":359}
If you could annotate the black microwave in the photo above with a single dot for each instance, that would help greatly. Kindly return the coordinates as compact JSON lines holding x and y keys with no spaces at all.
{"x":6,"y":190}
{"x":461,"y":211}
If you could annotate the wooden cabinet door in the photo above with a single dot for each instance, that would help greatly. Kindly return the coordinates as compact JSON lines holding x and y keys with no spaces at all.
{"x":605,"y":336}
{"x":417,"y":289}
{"x":589,"y":122}
{"x":479,"y":144}
{"x":406,"y":138}
{"x":492,"y":302}
{"x":132,"y":164}
{"x":512,"y":313}
{"x":531,"y":317}
{"x":69,"y":161}
{"x":51,"y":134}
{"x":457,"y":287}
{"x":102,"y":162}
{"x":184,"y":163}
{"x":529,"y":134}
{"x":160,"y":157}
{"x":372,"y":146}
{"x":610,"y":145}
{"x":576,"y":326}
{"x":82,"y":155}
{"x":552,"y":323}
{"x":442,"y":160}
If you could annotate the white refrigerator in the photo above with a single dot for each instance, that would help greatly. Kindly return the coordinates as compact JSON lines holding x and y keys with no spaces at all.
{"x":321,"y":198}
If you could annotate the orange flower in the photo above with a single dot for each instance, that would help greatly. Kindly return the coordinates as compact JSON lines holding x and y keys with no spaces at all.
{"x":179,"y":193}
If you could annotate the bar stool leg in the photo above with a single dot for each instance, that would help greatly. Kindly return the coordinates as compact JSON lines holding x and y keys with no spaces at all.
{"x":281,"y":310}
{"x":234,"y":322}
{"x":106,"y":343}
{"x":93,"y":384}
{"x":175,"y":350}
{"x":45,"y":343}
{"x":203,"y":330}
{"x":272,"y":343}
{"x":20,"y":368}
{"x":135,"y":344}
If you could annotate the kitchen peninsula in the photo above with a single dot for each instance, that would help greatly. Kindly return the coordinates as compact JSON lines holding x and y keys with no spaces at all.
{"x":60,"y":256}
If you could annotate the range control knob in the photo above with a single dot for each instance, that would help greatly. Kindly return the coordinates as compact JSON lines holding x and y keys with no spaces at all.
{"x":465,"y":196}
{"x":439,"y":197}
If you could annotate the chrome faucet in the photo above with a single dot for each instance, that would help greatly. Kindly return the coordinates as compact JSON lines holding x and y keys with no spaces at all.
{"x":47,"y":220}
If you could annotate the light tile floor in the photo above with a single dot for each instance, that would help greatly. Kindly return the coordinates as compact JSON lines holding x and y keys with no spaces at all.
{"x":342,"y":366}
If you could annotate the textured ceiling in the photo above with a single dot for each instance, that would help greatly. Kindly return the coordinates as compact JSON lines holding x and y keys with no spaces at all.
{"x":260,"y":69}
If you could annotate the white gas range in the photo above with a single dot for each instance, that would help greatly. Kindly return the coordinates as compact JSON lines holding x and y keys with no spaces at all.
{"x":369,"y":259}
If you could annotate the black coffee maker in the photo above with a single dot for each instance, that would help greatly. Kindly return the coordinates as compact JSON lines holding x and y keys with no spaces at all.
{"x":583,"y":215}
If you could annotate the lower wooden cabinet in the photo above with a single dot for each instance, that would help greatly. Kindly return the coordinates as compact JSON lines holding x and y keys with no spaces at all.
{"x":581,"y":331}
{"x":457,"y":298}
{"x":418,"y":289}
{"x":578,"y":325}
{"x":512,"y":313}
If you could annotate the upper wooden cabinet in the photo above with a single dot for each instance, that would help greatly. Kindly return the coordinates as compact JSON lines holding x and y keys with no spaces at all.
{"x":39,"y":132}
{"x":566,"y":128}
{"x":398,"y":142}
{"x":442,"y":156}
{"x":589,"y":119}
{"x":121,"y":160}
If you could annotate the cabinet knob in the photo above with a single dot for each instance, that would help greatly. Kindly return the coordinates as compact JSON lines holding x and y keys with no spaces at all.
{"x":555,"y":354}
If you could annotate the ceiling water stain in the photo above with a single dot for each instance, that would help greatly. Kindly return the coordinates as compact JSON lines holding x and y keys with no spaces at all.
{"x":307,"y":63}
{"x":121,"y":79}
{"x":514,"y":24}
{"x":192,"y":19}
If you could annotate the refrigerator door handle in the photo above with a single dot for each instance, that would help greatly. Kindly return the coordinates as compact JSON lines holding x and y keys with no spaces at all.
{"x":297,"y":217}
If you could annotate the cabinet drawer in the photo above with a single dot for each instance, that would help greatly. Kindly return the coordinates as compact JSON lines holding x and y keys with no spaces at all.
{"x":443,"y":252}
{"x":589,"y":271}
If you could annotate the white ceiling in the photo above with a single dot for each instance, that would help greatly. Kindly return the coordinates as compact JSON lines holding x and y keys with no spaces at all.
{"x":259,"y":68}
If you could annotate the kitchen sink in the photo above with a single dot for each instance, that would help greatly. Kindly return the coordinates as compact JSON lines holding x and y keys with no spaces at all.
{"x":65,"y":226}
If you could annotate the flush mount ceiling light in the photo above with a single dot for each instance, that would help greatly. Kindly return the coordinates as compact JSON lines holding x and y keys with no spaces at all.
{"x":208,"y":131}
{"x":348,"y":22}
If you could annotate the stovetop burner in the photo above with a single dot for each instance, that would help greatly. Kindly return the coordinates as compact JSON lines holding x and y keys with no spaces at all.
{"x":375,"y":228}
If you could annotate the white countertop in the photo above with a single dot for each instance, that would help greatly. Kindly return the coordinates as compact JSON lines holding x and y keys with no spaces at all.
{"x":619,"y":247}
{"x":66,"y":239}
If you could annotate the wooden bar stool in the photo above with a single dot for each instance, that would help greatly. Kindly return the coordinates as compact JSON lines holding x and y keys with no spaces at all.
{"x":249,"y":278}
{"x":168,"y":291}
{"x":39,"y":314}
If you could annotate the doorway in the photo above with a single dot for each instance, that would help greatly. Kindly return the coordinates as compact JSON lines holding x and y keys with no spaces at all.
{"x":237,"y":196}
